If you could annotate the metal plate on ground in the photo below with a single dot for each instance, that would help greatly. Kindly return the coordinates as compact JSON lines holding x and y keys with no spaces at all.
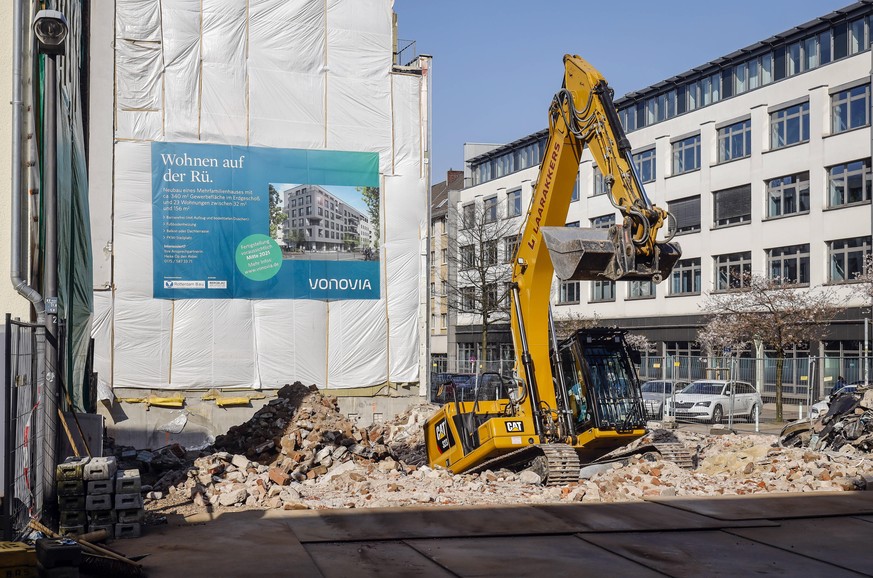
{"x":709,"y":553}
{"x":775,"y":506}
{"x":527,"y":556}
{"x":383,"y":559}
{"x":636,"y":516}
{"x":230,"y":544}
{"x":407,"y":523}
{"x":831,"y":540}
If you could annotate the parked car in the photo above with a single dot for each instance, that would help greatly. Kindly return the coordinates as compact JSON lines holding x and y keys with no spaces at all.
{"x":819,"y":409}
{"x":658,"y":391}
{"x":712,"y":400}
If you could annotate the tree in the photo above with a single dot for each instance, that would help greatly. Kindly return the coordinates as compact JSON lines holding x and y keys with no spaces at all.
{"x":568,"y":323}
{"x":277,"y":215}
{"x":772,"y":311}
{"x":478,"y":254}
{"x":370,"y":195}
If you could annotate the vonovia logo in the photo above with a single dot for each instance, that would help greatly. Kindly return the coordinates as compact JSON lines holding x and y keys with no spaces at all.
{"x":514,"y":426}
{"x":443,"y":435}
{"x":168,"y":284}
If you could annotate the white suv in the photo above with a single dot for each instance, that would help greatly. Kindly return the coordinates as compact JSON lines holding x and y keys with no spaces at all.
{"x":714,"y":399}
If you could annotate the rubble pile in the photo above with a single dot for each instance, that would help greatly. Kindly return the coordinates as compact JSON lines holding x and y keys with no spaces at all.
{"x":299,"y":452}
{"x":846,"y":427}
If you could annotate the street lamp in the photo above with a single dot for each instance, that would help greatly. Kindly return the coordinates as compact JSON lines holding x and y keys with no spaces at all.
{"x":50,"y":28}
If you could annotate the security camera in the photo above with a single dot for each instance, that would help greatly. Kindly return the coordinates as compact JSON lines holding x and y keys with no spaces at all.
{"x":50,"y":28}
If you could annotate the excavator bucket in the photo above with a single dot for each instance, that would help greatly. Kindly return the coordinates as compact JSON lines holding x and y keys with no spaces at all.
{"x":581,"y":254}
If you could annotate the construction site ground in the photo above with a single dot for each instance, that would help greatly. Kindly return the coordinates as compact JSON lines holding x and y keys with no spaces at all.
{"x":753,"y":508}
{"x":819,"y":534}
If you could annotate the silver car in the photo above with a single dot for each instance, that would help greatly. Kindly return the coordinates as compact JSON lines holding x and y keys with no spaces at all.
{"x":659,"y":392}
{"x":712,"y":400}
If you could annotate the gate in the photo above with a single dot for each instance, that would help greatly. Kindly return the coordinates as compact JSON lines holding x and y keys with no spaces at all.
{"x":30,"y":428}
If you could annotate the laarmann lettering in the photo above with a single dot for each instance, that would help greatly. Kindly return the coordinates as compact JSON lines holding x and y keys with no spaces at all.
{"x":340,"y":284}
{"x":547,"y":185}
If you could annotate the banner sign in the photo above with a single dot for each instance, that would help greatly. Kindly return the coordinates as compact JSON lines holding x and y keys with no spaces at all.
{"x":232,"y":222}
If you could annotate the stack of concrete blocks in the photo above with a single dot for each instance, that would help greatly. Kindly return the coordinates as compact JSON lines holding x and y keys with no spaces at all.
{"x":70,"y":477}
{"x":113,"y":501}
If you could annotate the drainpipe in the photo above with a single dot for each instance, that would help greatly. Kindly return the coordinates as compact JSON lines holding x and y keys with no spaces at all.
{"x":18,"y":282}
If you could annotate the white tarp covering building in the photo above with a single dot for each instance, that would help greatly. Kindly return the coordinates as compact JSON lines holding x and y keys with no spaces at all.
{"x":297,"y":87}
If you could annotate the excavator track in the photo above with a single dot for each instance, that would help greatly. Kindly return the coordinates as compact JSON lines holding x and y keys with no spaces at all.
{"x":557,"y":464}
{"x":676,"y":453}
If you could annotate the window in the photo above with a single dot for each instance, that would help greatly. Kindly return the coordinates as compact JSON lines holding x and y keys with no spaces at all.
{"x":686,"y":155}
{"x":735,"y":141}
{"x":468,"y":216}
{"x":490,"y":253}
{"x":444,"y":256}
{"x":490,"y":209}
{"x":468,"y":298}
{"x":732,"y":206}
{"x":641,"y":290}
{"x":604,"y":222}
{"x":574,"y":196}
{"x":685,"y":279}
{"x":789,"y":126}
{"x":733,"y":271}
{"x":490,"y":296}
{"x":444,"y":320}
{"x":788,"y":195}
{"x":602,"y":291}
{"x":513,"y":203}
{"x":790,"y":265}
{"x":846,"y":258}
{"x":849,"y":183}
{"x":850,"y":108}
{"x":569,"y":292}
{"x":686,"y":213}
{"x":599,"y":182}
{"x":468,"y":257}
{"x":857,"y":36}
{"x":644,"y":163}
{"x":510,"y":246}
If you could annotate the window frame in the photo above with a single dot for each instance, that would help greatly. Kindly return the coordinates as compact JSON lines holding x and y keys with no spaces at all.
{"x":645,"y":163}
{"x":796,"y":254}
{"x":513,"y":203}
{"x":846,"y":175}
{"x":781,"y":188}
{"x":730,"y":267}
{"x":848,"y":252}
{"x":850,"y":98}
{"x":782,"y":123}
{"x":683,"y":271}
{"x":733,"y":137}
{"x":686,"y":155}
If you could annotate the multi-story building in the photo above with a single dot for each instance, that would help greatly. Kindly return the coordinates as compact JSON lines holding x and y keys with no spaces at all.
{"x":320,"y":221}
{"x":443,"y":195}
{"x":762,"y":155}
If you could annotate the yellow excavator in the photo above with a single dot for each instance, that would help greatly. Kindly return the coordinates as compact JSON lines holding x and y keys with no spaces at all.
{"x":577,"y":400}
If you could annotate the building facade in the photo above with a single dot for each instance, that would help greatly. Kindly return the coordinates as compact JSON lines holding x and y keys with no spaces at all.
{"x":320,"y":221}
{"x":763,"y":158}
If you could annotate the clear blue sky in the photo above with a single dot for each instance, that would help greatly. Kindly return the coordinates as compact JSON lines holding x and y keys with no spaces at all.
{"x":497,"y":63}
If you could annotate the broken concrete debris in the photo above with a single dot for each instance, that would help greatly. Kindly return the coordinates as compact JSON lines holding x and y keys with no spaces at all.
{"x":846,"y":427}
{"x":300,"y":452}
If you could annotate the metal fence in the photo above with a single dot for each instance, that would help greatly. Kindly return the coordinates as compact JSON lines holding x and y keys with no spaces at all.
{"x":31,"y":429}
{"x":805,"y":380}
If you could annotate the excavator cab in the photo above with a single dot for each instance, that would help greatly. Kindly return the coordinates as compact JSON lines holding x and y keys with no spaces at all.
{"x":602,"y":384}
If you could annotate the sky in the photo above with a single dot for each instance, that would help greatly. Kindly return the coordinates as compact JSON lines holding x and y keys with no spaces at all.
{"x":497,"y":63}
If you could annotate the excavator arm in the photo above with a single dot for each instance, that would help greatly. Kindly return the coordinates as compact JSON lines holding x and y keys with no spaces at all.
{"x":581,"y":114}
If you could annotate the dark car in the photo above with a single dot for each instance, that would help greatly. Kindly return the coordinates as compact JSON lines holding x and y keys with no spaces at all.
{"x":450,"y":387}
